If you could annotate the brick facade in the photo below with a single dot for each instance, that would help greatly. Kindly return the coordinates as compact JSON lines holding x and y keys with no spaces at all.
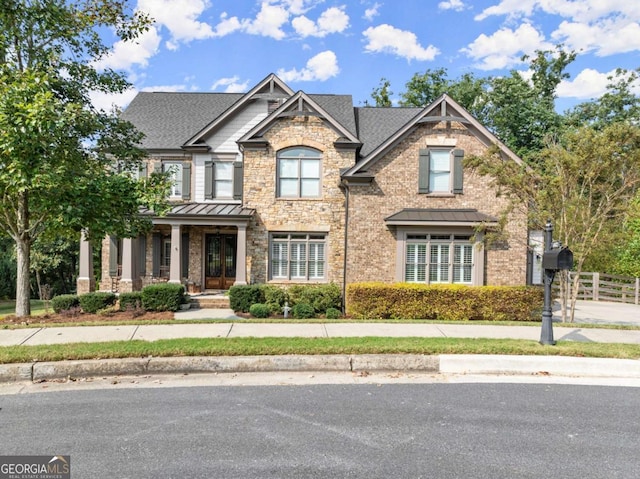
{"x":323,"y":215}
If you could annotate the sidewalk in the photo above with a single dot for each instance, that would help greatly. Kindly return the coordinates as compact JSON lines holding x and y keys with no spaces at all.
{"x":444,"y":364}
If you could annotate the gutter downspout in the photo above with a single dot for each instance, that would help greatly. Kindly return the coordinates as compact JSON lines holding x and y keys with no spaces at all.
{"x":346,"y":235}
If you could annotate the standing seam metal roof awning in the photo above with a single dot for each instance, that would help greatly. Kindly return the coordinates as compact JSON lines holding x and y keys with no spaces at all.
{"x":206,"y":211}
{"x":440,"y":217}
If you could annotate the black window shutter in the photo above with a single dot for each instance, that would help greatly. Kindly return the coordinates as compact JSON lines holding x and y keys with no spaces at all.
{"x":186,"y":180}
{"x":458,"y":155}
{"x":185,"y":255}
{"x":156,"y":252}
{"x":237,"y":180}
{"x":113,"y":256}
{"x":208,"y":180}
{"x":423,"y":171}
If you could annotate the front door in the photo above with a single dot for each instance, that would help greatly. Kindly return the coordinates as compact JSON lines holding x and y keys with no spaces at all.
{"x":220,"y":261}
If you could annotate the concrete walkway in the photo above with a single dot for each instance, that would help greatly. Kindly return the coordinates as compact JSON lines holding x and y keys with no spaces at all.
{"x":240,"y":329}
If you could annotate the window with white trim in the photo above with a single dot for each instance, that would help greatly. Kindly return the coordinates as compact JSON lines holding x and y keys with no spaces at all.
{"x":297,"y":256}
{"x":299,"y":172}
{"x":431,"y":258}
{"x":175,"y":168}
{"x":223,"y":179}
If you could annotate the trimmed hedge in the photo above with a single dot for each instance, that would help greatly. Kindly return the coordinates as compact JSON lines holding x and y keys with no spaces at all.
{"x":131,"y":300}
{"x":333,"y":313}
{"x":321,"y":297}
{"x":241,"y":297}
{"x":444,"y":302}
{"x":65,"y":302}
{"x":96,"y":301}
{"x":162,"y":297}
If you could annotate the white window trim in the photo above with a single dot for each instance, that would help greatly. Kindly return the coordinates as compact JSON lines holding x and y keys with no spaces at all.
{"x":176,"y":176}
{"x":449,"y":189}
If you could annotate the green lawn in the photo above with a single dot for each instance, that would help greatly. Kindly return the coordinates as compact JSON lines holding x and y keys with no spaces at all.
{"x":9,"y":307}
{"x":278,"y":346}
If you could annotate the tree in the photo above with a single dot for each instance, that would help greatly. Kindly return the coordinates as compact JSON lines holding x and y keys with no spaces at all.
{"x":521,"y":112}
{"x":584,"y":181}
{"x":56,"y":150}
{"x":382,"y":94}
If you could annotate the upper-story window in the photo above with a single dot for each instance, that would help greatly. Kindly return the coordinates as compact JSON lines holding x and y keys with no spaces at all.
{"x":223,"y":179}
{"x":298,"y":173}
{"x":440,"y":171}
{"x":175,"y":168}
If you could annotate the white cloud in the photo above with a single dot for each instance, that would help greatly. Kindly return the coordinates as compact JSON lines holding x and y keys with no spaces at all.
{"x":332,"y":20}
{"x":587,"y":84}
{"x":372,"y":12}
{"x":231,"y":85}
{"x":607,"y":37}
{"x":578,"y":10}
{"x":180,"y":17}
{"x":269,"y":21}
{"x":504,"y":48}
{"x":387,"y":39}
{"x":165,"y":88}
{"x":124,"y":55}
{"x":109,"y":101}
{"x":456,"y":5}
{"x":319,"y":68}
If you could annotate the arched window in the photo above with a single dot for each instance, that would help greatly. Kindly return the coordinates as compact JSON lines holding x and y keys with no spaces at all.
{"x":299,"y":172}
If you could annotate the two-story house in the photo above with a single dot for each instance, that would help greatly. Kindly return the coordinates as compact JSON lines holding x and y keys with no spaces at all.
{"x":283,"y":187}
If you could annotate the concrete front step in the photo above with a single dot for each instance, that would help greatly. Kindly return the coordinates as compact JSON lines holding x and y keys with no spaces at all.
{"x":210,"y":303}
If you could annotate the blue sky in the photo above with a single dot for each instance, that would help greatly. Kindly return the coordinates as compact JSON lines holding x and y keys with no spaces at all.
{"x":346,"y":47}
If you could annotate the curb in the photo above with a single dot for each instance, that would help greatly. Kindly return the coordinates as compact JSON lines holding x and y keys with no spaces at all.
{"x":438,"y":364}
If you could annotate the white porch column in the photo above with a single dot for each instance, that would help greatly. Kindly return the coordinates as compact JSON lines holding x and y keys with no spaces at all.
{"x":86,"y":281}
{"x":174,"y":266}
{"x":241,"y":258}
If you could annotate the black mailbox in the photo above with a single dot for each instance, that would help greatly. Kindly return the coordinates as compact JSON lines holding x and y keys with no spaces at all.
{"x":557,"y":258}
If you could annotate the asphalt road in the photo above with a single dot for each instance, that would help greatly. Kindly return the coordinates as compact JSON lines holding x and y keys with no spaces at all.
{"x":332,"y":431}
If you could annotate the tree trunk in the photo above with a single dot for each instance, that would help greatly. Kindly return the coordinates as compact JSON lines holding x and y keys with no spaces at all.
{"x":23,"y":293}
{"x":23,"y":244}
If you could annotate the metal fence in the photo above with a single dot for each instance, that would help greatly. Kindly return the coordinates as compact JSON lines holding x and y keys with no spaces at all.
{"x":607,"y":287}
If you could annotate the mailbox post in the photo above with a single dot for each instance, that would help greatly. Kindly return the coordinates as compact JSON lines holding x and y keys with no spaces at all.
{"x":553,"y":260}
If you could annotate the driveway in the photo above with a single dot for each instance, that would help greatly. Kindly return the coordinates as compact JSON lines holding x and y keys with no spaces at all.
{"x":602,"y":312}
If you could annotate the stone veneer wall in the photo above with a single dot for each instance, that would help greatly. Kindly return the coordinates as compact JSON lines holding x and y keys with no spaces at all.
{"x":325,"y":214}
{"x":372,"y":245}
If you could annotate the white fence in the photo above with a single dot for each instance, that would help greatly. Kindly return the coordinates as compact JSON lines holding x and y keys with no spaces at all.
{"x":607,"y":287}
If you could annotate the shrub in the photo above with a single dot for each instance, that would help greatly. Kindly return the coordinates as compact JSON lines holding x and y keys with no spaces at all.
{"x":130,"y":300}
{"x":162,"y":297}
{"x":259,"y":310}
{"x":274,"y":294}
{"x":241,"y":297}
{"x":94,"y":302}
{"x":320,"y":297}
{"x":443,"y":302}
{"x":333,"y":313}
{"x":303,"y":311}
{"x":65,"y":302}
{"x":275,"y":308}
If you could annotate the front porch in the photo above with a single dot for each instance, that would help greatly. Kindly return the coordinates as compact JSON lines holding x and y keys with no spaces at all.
{"x":202,"y":246}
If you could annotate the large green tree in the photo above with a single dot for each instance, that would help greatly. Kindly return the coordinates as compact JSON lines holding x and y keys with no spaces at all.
{"x":56,"y":150}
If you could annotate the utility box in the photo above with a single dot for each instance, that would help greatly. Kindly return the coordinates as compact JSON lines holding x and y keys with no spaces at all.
{"x":557,"y":259}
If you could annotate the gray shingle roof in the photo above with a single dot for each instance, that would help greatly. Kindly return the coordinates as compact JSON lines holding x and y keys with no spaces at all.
{"x":340,"y":107}
{"x":168,"y":120}
{"x":375,"y":124}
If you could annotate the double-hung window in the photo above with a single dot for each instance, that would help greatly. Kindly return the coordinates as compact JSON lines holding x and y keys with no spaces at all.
{"x":223,"y":179}
{"x":175,"y":169}
{"x":298,"y":173}
{"x":440,"y":171}
{"x":297,"y":256}
{"x":431,"y":258}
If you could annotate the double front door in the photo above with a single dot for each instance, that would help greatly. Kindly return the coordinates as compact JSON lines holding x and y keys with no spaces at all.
{"x":220,"y":260}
